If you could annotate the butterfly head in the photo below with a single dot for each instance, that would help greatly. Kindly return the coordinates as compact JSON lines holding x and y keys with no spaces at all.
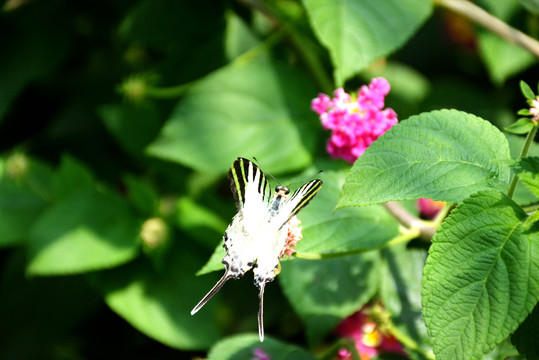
{"x":282,"y":191}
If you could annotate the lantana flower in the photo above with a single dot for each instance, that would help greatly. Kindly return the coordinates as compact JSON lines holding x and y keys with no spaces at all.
{"x":294,"y":235}
{"x":534,"y":110}
{"x":356,"y":121}
{"x":429,"y":208}
{"x":260,"y":354}
{"x":370,"y":337}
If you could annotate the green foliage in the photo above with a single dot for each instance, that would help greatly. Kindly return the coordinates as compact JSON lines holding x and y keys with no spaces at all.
{"x":429,"y":156}
{"x":241,"y":347}
{"x":480,"y":282}
{"x":325,"y":292}
{"x":119,"y":121}
{"x":358,"y":32}
{"x":231,"y":101}
{"x":96,"y":229}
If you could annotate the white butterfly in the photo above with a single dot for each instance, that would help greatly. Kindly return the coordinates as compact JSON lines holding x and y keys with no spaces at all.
{"x":258,"y":232}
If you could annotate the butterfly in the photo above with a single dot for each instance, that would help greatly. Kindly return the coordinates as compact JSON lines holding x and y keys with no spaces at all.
{"x":257,"y":234}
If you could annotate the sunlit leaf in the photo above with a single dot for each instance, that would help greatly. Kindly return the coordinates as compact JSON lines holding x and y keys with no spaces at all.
{"x":260,"y":109}
{"x":86,"y":231}
{"x":359,"y":32}
{"x":481,"y":279}
{"x":434,"y":155}
{"x":244,"y":347}
{"x":324,"y":292}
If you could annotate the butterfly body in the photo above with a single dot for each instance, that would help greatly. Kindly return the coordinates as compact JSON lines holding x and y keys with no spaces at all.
{"x":258,"y":232}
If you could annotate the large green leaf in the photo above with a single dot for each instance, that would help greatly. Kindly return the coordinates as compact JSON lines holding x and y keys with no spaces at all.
{"x":71,"y":177}
{"x":19,"y":208}
{"x":442,"y":155}
{"x":359,"y":32}
{"x":86,"y":231}
{"x":259,"y":108}
{"x":400,"y":291}
{"x":481,"y":279}
{"x":25,"y":188}
{"x":324,"y":292}
{"x":133,"y":126}
{"x":244,"y":347}
{"x":502,"y":58}
{"x":159,"y":303}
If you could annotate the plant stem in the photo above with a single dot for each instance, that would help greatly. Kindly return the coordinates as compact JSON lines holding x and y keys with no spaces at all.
{"x":478,"y":15}
{"x":426,"y":230}
{"x":523,"y":153}
{"x":408,"y":341}
{"x":404,"y":236}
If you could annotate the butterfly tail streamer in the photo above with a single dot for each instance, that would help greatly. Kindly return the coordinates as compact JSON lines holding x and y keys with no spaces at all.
{"x":261,"y":313}
{"x":212,"y":292}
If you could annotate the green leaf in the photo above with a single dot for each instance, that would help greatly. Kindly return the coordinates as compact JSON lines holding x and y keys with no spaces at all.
{"x":522,"y":126}
{"x":348,"y":230}
{"x":324,"y":292}
{"x":526,"y":338}
{"x":400,"y":291}
{"x":358,"y":32}
{"x":200,"y":222}
{"x":527,"y":170}
{"x":531,"y":220}
{"x":526,"y":90}
{"x":159,"y":303}
{"x":24,"y":191}
{"x":71,"y":177}
{"x":502,"y":58}
{"x":239,"y":38}
{"x":242,"y":347}
{"x":86,"y":231}
{"x":260,"y":108}
{"x":142,"y":195}
{"x":524,"y":112}
{"x":531,"y":5}
{"x":429,"y":156}
{"x":134,"y":126}
{"x":481,"y":279}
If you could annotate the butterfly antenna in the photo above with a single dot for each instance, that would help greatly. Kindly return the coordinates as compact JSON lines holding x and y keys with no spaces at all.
{"x":308,"y":177}
{"x":212,"y":292}
{"x":261,"y":313}
{"x":265,"y":172}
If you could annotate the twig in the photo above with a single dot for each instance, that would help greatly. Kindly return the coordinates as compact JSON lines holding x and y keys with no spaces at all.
{"x":410,"y":221}
{"x":480,"y":16}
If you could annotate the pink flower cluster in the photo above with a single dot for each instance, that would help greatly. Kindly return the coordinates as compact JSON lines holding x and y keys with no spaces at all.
{"x":369,"y":339}
{"x":260,"y":354}
{"x":294,"y":235}
{"x":429,"y":208}
{"x":534,"y":110}
{"x":355,"y":121}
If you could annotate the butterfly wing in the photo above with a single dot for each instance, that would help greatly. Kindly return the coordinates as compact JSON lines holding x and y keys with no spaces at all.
{"x":271,"y":238}
{"x":249,"y":187}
